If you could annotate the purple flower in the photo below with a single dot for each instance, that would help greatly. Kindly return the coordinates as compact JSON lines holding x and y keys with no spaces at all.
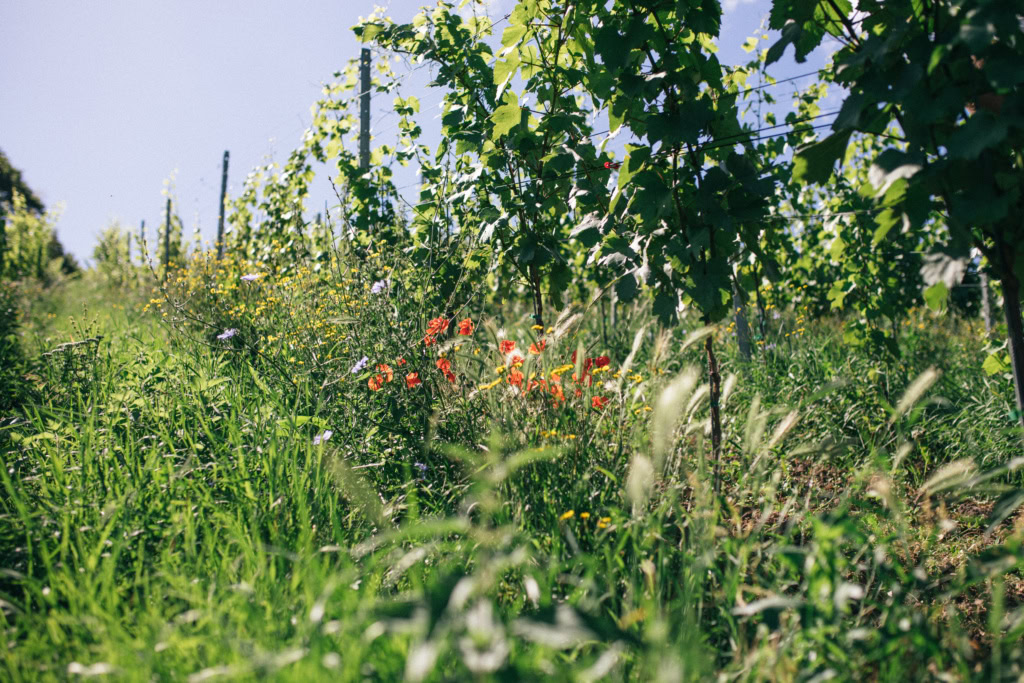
{"x":227,"y":334}
{"x":770,"y":347}
{"x":322,"y":438}
{"x":776,"y":315}
{"x":358,"y":367}
{"x":378,"y":286}
{"x":421,"y":467}
{"x":251,"y":276}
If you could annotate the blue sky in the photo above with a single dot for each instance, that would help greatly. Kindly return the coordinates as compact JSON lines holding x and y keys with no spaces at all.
{"x":103,"y":101}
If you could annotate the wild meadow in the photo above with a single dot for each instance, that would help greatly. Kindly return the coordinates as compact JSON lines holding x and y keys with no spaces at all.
{"x":708,"y":404}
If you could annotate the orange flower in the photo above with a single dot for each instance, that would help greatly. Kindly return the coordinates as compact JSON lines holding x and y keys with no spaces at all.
{"x":450,"y":376}
{"x":412,"y":379}
{"x":539,"y":346}
{"x":515,"y":378}
{"x":598,"y":402}
{"x":579,"y":392}
{"x":401,"y":362}
{"x":516,"y":360}
{"x":556,"y":391}
{"x":375,"y":383}
{"x":506,"y":346}
{"x":437,"y":326}
{"x":444,"y":365}
{"x":466,"y":327}
{"x":429,"y":340}
{"x":386,"y":369}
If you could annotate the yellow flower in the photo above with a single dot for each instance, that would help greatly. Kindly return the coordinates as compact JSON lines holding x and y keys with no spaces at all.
{"x":603,"y":522}
{"x":500,"y":369}
{"x":550,"y":330}
{"x":537,"y":327}
{"x":567,"y":515}
{"x":584,"y":515}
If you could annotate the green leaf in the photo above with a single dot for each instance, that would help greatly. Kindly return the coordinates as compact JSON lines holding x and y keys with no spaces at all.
{"x":936,"y":296}
{"x":814,"y":162}
{"x":994,"y":364}
{"x":506,"y":117}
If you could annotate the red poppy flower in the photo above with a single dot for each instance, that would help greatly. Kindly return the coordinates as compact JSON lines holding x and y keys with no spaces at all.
{"x":401,"y":362}
{"x":450,"y":376}
{"x":444,"y":365}
{"x":579,"y":392}
{"x":429,"y":340}
{"x":506,"y":346}
{"x":602,"y":361}
{"x":412,"y":379}
{"x":437,"y":326}
{"x":466,"y":327}
{"x":598,"y":402}
{"x":386,"y":371}
{"x":539,"y":346}
{"x":375,"y":383}
{"x":515,"y":378}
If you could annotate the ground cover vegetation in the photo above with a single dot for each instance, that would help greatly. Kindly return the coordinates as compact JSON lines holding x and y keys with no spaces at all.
{"x":707,"y":405}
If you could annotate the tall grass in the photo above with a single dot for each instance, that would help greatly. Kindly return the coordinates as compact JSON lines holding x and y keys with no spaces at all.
{"x":199,"y":505}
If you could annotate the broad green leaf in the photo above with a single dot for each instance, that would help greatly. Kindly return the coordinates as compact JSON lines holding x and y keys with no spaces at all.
{"x":994,"y":364}
{"x":506,"y":117}
{"x":814,"y":163}
{"x":936,"y":296}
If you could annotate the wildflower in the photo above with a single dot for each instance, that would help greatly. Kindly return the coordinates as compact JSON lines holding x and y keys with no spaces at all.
{"x":466,"y":327}
{"x":378,"y":286}
{"x":429,"y":340}
{"x":516,"y":360}
{"x":375,"y":383}
{"x":386,"y":371}
{"x":567,"y":515}
{"x":602,"y":361}
{"x":437,"y":326}
{"x":561,"y":369}
{"x":550,"y":330}
{"x":250,"y":277}
{"x":538,"y":347}
{"x":537,"y":327}
{"x":515,"y":378}
{"x":412,"y":379}
{"x":603,"y":522}
{"x":506,"y":346}
{"x":227,"y":334}
{"x":556,"y":391}
{"x":444,"y":365}
{"x":450,"y":376}
{"x":421,"y":467}
{"x":584,"y":515}
{"x":598,"y":402}
{"x":322,"y":438}
{"x":358,"y":367}
{"x":400,"y":362}
{"x":499,"y":370}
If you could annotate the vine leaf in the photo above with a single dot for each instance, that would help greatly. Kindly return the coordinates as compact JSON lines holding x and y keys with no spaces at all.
{"x":814,"y":162}
{"x":506,"y":117}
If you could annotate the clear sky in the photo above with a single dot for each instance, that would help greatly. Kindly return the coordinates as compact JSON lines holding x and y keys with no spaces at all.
{"x":103,"y":101}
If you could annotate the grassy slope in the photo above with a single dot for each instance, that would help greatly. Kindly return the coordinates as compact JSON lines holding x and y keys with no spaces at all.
{"x":167,"y":515}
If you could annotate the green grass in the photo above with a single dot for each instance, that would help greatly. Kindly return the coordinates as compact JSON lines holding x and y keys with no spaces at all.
{"x":165,"y":514}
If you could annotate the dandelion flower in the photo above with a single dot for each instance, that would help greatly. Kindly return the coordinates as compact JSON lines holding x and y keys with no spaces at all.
{"x":227,"y":334}
{"x":537,"y":327}
{"x":567,"y":515}
{"x":584,"y":515}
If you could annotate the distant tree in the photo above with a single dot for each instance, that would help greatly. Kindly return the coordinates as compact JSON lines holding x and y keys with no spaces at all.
{"x":21,"y":207}
{"x":11,"y":182}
